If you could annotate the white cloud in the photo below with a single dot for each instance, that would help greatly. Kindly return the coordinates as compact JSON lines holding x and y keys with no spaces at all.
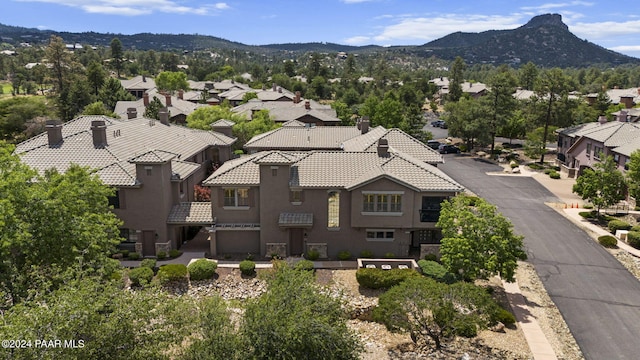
{"x":626,"y":48}
{"x":137,"y":7}
{"x":605,"y":29}
{"x":430,"y":28}
{"x":550,"y":6}
{"x":357,"y":40}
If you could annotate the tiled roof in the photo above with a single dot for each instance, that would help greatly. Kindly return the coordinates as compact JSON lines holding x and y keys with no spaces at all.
{"x":294,"y":123}
{"x":191,"y":213}
{"x":139,"y":82}
{"x":178,"y":106}
{"x":615,"y":95}
{"x":126,"y":140}
{"x":223,"y":123}
{"x":183,"y":169}
{"x":295,"y":219}
{"x":153,"y":157}
{"x":283,"y":111}
{"x":298,"y":138}
{"x":275,"y":158}
{"x":339,"y":169}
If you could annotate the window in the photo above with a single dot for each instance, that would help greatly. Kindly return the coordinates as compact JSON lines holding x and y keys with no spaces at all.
{"x":181,"y":186}
{"x":589,"y":149}
{"x":616,"y":158}
{"x":382,"y":202}
{"x":380,"y":235}
{"x":430,"y":211}
{"x":128,"y":235}
{"x":115,"y":200}
{"x":148,"y":170}
{"x":236,"y":197}
{"x":274,"y":171}
{"x":296,"y":196}
{"x":333,"y":209}
{"x":597,"y":152}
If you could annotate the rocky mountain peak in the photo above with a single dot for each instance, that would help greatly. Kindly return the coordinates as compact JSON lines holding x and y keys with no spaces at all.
{"x":546,"y":20}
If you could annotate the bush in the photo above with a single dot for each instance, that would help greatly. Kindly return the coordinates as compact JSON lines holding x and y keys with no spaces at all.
{"x":172,"y":272}
{"x":344,"y":255}
{"x":431,"y":257}
{"x":633,"y":239}
{"x":635,"y":228}
{"x":379,"y":279}
{"x":150,"y":263}
{"x":250,"y":256}
{"x":174,"y":253}
{"x":608,"y":241}
{"x":616,"y":224}
{"x":312,"y":255}
{"x":536,"y":166}
{"x":304,"y":265}
{"x":554,"y":175}
{"x":548,"y":171}
{"x":587,"y":214}
{"x":503,"y":316}
{"x":134,"y":256}
{"x":161,"y":255}
{"x":389,"y":255}
{"x":125,"y":253}
{"x":202,"y":269}
{"x":140,"y":276}
{"x":247,"y":267}
{"x":587,"y":206}
{"x":465,"y":327}
{"x":367,"y":254}
{"x":514,"y":165}
{"x":432,"y":269}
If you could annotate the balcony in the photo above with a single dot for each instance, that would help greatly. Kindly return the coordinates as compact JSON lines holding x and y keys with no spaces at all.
{"x":429,"y":215}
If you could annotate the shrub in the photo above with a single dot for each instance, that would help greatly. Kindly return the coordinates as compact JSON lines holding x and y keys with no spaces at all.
{"x":608,"y":241}
{"x":367,"y":254}
{"x":535,"y":166}
{"x":250,"y":256}
{"x":247,"y":267}
{"x":150,"y":263}
{"x":379,"y":279}
{"x":304,"y":265}
{"x":616,"y":224}
{"x":587,"y":206}
{"x":172,"y":272}
{"x":202,"y":269}
{"x":344,"y":255}
{"x":161,"y":255}
{"x":514,"y":165}
{"x":503,"y":316}
{"x":465,"y":327}
{"x":389,"y":255}
{"x":432,"y":269}
{"x":431,"y":257}
{"x":125,"y":253}
{"x":633,"y":239}
{"x":635,"y":228}
{"x":548,"y":171}
{"x":554,"y":175}
{"x":134,"y":256}
{"x":174,"y":253}
{"x":140,"y":276}
{"x":312,"y":255}
{"x":587,"y":214}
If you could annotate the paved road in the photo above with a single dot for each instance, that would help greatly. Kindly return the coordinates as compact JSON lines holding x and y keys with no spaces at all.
{"x":598,"y":297}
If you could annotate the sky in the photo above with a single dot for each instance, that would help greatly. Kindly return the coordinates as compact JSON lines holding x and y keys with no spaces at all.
{"x":613,"y":25}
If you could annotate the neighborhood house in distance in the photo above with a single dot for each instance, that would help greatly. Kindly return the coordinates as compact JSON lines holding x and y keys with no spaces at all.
{"x":304,"y":186}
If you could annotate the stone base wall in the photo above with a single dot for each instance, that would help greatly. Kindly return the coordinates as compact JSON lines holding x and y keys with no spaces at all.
{"x":163,"y":247}
{"x":139,"y":248}
{"x":321,"y":248}
{"x":429,"y":249}
{"x":279,"y":249}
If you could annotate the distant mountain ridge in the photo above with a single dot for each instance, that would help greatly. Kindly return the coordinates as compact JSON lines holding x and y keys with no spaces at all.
{"x":545,"y":40}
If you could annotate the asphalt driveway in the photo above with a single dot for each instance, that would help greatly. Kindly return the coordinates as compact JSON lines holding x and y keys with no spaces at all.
{"x":598,"y":298}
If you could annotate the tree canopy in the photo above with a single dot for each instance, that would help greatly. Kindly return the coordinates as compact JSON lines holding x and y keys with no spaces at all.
{"x":172,"y":81}
{"x":604,"y":185}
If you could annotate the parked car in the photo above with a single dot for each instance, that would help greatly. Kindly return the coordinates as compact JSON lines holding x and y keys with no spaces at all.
{"x":434,"y":144}
{"x":448,"y":149}
{"x":438,"y":123}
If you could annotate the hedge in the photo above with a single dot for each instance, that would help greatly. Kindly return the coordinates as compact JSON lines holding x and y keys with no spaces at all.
{"x":172,"y":272}
{"x":202,"y":269}
{"x":140,"y":276}
{"x":379,"y":279}
{"x":616,"y":224}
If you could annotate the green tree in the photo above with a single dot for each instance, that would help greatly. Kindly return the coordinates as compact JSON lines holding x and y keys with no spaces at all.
{"x":248,"y":96}
{"x":309,"y":325}
{"x":15,"y":115}
{"x":203,"y":117}
{"x":343,"y":112}
{"x":172,"y":81}
{"x":117,"y":55}
{"x":602,"y":102}
{"x":515,"y":126}
{"x":478,"y":241}
{"x":500,"y":101}
{"x":260,"y":123}
{"x":456,"y":78}
{"x":633,"y":174}
{"x":98,"y":108}
{"x":51,"y":223}
{"x":96,"y":76}
{"x":152,"y":110}
{"x":429,"y":309}
{"x":552,"y":85}
{"x":468,"y":119}
{"x":603,"y":186}
{"x":528,"y":75}
{"x":112,"y":92}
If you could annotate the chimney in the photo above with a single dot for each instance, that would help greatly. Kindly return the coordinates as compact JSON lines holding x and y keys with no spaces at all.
{"x":627,"y":100}
{"x":145,"y":99}
{"x":99,"y":132}
{"x":54,"y":132}
{"x":296,"y":99}
{"x":364,"y":125}
{"x":167,"y":99}
{"x":383,"y":147}
{"x":602,"y":119}
{"x":622,"y":116}
{"x":273,"y":88}
{"x":181,"y":94}
{"x":144,"y":78}
{"x":307,"y":104}
{"x":132,"y":113}
{"x":163,"y":115}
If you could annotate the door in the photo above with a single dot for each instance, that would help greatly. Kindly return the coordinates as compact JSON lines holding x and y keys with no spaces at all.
{"x":296,"y":241}
{"x":148,"y":243}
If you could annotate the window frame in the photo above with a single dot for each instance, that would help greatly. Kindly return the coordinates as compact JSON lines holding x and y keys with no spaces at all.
{"x":380,"y":235}
{"x":333,"y":212}
{"x":235,"y":198}
{"x":385,"y":203}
